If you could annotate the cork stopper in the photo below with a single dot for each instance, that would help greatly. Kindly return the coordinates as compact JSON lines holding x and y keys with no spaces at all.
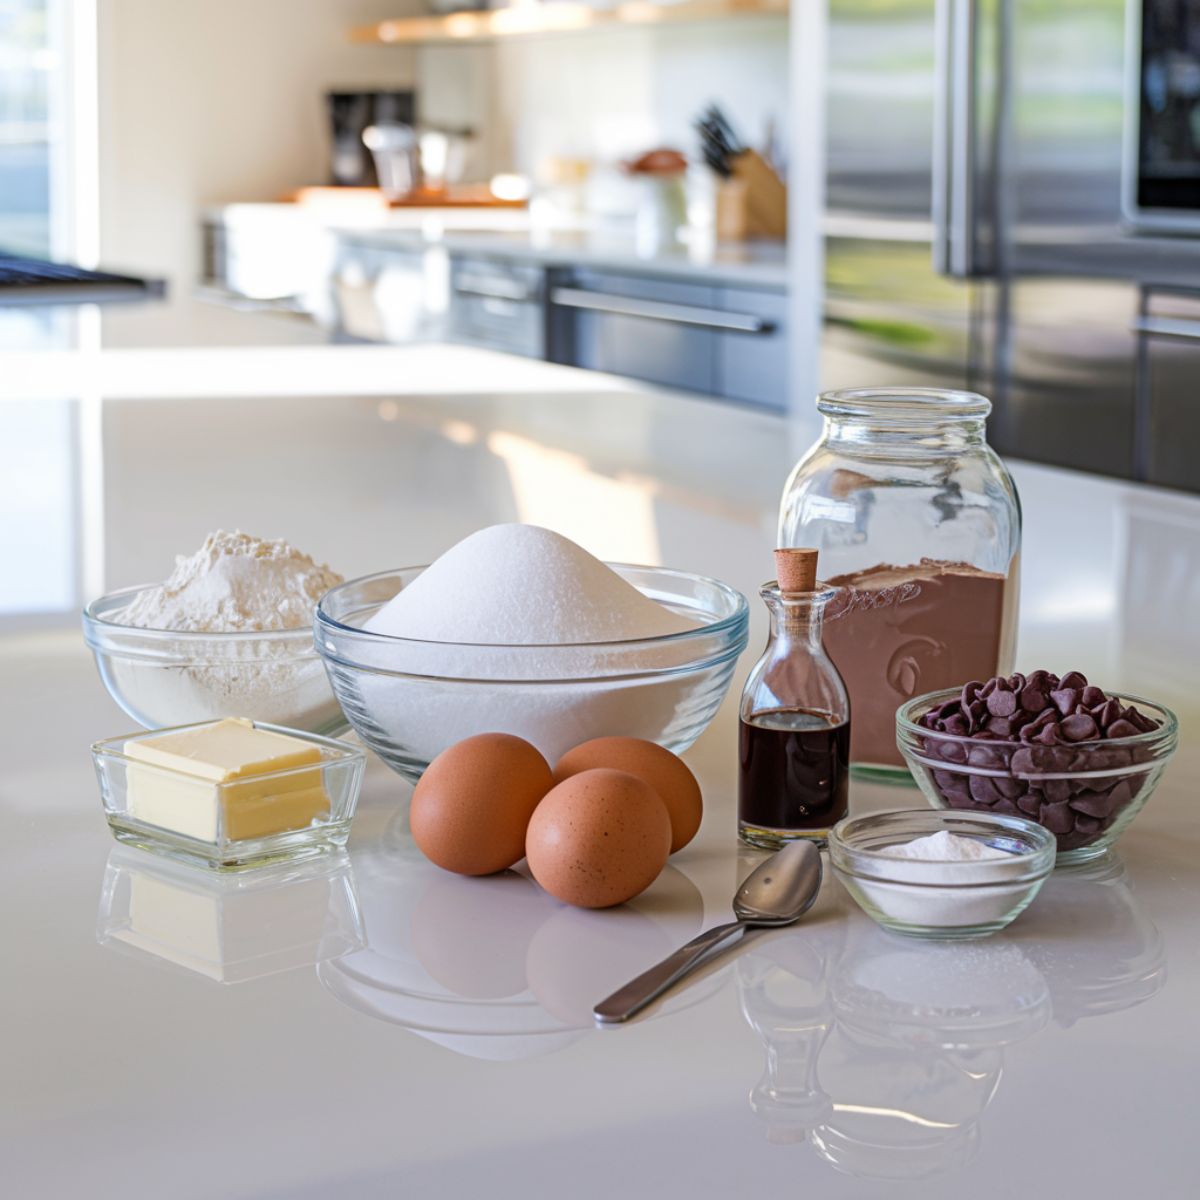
{"x":796,"y":569}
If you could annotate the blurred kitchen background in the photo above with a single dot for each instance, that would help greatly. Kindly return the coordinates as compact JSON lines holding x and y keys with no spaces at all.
{"x":1000,"y":194}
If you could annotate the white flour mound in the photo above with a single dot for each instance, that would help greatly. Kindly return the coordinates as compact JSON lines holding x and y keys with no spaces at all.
{"x":234,"y":583}
{"x":520,"y":585}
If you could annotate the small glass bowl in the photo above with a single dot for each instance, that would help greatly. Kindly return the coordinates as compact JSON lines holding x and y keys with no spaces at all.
{"x":1085,"y":793}
{"x":930,"y":899}
{"x":166,"y":677}
{"x":409,"y":699}
{"x":123,"y":780}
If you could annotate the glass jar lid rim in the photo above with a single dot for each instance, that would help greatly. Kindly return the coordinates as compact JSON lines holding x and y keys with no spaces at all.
{"x":904,"y":402}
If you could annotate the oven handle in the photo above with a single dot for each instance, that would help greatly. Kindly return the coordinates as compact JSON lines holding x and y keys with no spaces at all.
{"x":492,"y":289}
{"x":657,"y":310}
{"x":1168,"y":327}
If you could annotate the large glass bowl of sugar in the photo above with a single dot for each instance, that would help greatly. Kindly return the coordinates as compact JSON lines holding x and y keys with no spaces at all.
{"x":408,"y":699}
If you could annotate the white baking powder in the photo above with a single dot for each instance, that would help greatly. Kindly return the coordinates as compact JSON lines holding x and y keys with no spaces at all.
{"x":234,"y":583}
{"x":929,"y":874}
{"x":945,"y":847}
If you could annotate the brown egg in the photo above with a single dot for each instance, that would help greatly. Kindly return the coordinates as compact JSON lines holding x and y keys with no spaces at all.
{"x":598,"y":838}
{"x":472,"y":806}
{"x":665,"y":772}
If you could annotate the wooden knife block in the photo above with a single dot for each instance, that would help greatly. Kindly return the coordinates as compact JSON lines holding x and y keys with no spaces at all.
{"x":752,"y":202}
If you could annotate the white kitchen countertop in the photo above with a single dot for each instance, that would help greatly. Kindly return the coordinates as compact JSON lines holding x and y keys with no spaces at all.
{"x":376,"y":1027}
{"x":513,"y":234}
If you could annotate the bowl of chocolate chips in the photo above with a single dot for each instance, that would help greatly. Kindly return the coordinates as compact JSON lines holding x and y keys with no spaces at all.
{"x":1078,"y":760}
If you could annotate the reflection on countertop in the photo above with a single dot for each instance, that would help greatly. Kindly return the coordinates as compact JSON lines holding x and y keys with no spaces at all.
{"x":884,"y":1053}
{"x":229,"y":927}
{"x":493,"y":967}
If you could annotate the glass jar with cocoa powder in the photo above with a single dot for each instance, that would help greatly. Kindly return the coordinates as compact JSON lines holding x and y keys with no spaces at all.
{"x":919,"y":527}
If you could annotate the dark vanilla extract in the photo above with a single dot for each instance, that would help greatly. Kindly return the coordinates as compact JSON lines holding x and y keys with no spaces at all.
{"x":794,"y":774}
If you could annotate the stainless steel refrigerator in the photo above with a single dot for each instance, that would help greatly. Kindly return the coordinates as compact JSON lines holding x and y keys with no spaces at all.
{"x":974,"y":229}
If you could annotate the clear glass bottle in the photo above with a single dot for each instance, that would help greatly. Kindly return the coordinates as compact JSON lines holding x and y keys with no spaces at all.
{"x":919,"y":528}
{"x":794,"y":727}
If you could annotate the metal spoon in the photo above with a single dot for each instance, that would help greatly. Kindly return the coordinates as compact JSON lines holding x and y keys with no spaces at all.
{"x":777,"y":892}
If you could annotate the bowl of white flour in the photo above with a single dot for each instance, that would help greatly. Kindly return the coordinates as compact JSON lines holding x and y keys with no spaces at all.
{"x":227,"y":634}
{"x":518,"y":630}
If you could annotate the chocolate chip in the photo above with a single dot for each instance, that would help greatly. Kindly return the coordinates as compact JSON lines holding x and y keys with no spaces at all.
{"x":948,"y":709}
{"x":1016,"y":681}
{"x":1009,"y":787}
{"x":983,"y":789}
{"x":1056,"y":789}
{"x":1144,"y":723}
{"x":1002,"y":704}
{"x":1109,"y":712}
{"x":985,"y":756}
{"x":1093,"y":695}
{"x":1086,"y":824}
{"x":1122,"y":728}
{"x":1002,"y":727}
{"x":1048,"y":735}
{"x":1030,"y":803}
{"x":1057,"y":818}
{"x":1007,"y":807}
{"x":957,"y":725}
{"x":1065,"y":700}
{"x":1021,"y":762}
{"x":1079,"y":728}
{"x":1094,"y":804}
{"x":989,"y":687}
{"x":1033,"y":699}
{"x":1074,"y":679}
{"x":970,"y":691}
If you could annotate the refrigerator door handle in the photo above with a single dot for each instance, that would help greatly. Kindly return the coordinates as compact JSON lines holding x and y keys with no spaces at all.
{"x":956,"y":250}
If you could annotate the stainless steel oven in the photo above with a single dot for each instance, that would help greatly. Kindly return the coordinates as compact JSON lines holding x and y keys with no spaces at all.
{"x":1161,"y":160}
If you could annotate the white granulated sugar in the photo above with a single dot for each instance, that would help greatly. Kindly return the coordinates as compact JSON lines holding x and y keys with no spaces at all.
{"x":543,"y":606}
{"x":514,"y":585}
{"x":234,"y":583}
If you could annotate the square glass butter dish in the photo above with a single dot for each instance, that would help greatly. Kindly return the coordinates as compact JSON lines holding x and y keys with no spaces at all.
{"x":231,"y":793}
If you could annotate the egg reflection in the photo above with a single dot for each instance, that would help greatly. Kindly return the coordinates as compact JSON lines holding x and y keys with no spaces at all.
{"x":473,"y":935}
{"x":494,"y":968}
{"x":579,"y":956}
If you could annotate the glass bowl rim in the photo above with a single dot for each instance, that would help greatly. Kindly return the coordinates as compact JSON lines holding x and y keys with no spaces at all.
{"x":94,"y":616}
{"x":731,"y":627}
{"x":903,"y":401}
{"x":334,"y":750}
{"x":1041,"y":854}
{"x":1167,"y":732}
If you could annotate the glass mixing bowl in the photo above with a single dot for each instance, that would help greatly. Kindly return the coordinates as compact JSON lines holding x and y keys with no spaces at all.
{"x":935,"y":899}
{"x":409,"y":700}
{"x":1085,"y":793}
{"x":163,"y":677}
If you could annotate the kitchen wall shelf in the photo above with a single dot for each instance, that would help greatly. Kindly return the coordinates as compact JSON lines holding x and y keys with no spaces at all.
{"x":558,"y":16}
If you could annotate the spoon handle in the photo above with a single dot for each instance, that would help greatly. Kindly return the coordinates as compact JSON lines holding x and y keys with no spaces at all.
{"x":629,"y":1000}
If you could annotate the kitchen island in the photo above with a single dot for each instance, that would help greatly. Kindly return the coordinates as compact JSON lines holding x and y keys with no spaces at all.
{"x":371,"y":1026}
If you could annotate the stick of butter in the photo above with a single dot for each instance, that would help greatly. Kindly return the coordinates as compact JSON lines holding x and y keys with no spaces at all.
{"x":222,"y":782}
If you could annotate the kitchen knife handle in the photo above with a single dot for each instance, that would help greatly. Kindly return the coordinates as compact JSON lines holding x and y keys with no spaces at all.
{"x":629,"y":1000}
